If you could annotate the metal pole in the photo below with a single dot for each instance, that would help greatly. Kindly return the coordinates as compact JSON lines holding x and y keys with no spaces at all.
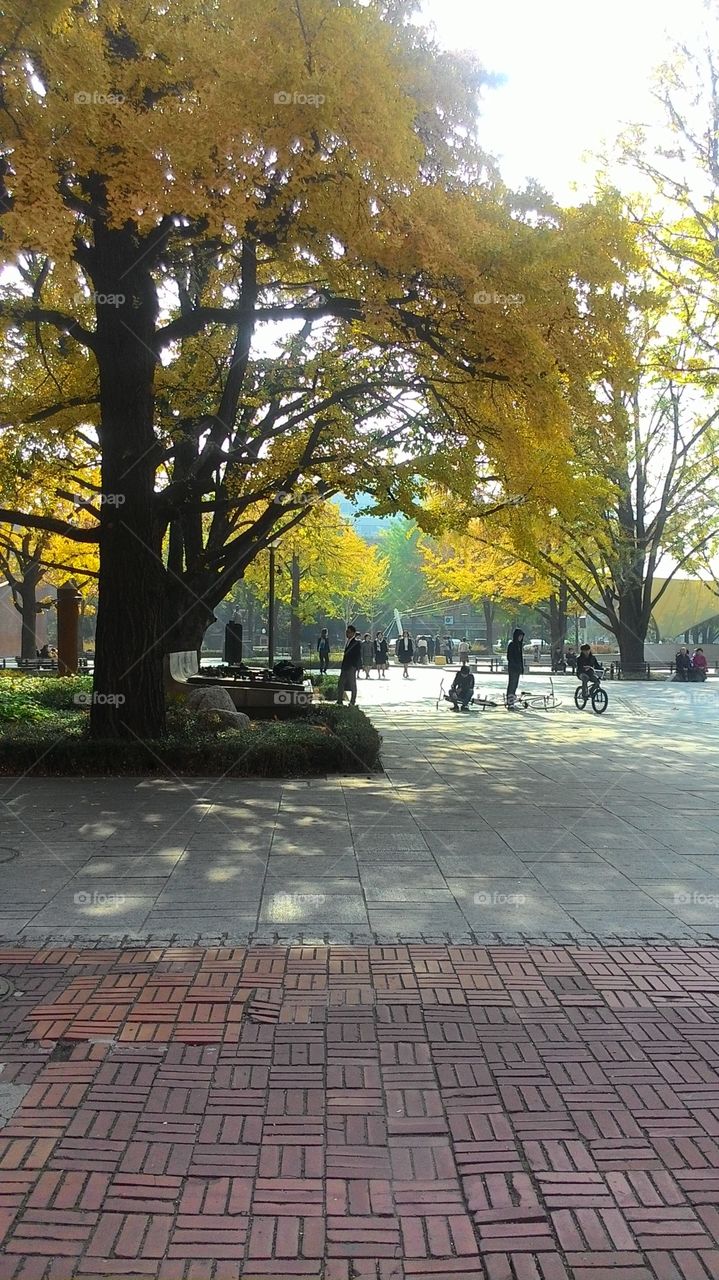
{"x":576,"y":631}
{"x":271,"y":619}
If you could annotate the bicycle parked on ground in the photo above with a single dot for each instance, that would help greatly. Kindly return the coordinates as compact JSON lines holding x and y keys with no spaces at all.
{"x":590,"y":690}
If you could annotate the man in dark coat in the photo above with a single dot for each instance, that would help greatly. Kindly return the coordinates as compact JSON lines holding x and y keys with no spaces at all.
{"x":462,"y":690}
{"x":515,"y":665}
{"x":350,"y":665}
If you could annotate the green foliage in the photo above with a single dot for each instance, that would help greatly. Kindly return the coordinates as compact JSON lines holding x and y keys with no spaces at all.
{"x":33,"y":699}
{"x":317,"y":740}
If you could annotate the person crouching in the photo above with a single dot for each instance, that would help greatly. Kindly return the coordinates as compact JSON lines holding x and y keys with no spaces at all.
{"x":462,"y":689}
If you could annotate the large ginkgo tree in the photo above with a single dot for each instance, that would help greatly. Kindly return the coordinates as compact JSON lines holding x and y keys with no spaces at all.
{"x":255,"y":250}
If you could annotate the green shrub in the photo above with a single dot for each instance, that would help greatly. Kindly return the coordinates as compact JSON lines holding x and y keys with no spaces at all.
{"x":318,"y":740}
{"x":39,"y":693}
{"x":328,"y":688}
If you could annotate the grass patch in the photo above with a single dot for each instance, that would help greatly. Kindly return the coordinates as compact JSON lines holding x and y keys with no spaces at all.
{"x":43,"y":732}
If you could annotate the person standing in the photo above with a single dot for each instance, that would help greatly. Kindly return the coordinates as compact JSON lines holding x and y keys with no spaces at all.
{"x":405,"y":652}
{"x":381,"y":654}
{"x":323,"y":651}
{"x":448,"y":650}
{"x":515,"y":665}
{"x":367,"y":654}
{"x":463,"y":651}
{"x":422,"y":650}
{"x":430,"y":648}
{"x":349,"y":666}
{"x":437,"y":647}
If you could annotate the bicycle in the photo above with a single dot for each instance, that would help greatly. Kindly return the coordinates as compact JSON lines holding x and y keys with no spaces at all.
{"x":594,"y":693}
{"x":526,"y":701}
{"x":482,"y":703}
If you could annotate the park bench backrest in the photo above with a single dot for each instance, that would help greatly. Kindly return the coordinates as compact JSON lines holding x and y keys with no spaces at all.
{"x":183,"y":665}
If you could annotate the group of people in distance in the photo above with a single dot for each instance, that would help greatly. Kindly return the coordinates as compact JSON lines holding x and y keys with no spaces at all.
{"x":688,"y":666}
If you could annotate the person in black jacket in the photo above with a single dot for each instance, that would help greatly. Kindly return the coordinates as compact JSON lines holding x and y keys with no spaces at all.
{"x":350,"y":665}
{"x":381,"y":654}
{"x":462,"y":689}
{"x":683,"y":664}
{"x":323,"y":651}
{"x":586,"y":666}
{"x":515,"y":665}
{"x":405,"y":652}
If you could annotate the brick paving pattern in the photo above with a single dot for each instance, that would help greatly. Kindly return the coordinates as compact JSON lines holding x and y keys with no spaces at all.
{"x":361,"y":1113}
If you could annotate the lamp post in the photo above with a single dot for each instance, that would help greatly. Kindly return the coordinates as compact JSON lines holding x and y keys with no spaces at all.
{"x":271,"y":619}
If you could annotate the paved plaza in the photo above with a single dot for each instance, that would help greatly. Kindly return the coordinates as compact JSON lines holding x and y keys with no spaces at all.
{"x":194,"y":1086}
{"x":545,"y":826}
{"x":355,"y":1113}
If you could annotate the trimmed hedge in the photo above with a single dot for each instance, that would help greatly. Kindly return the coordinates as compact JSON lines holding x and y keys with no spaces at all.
{"x":318,"y":740}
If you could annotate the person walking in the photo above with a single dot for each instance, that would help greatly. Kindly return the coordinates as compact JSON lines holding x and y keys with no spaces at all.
{"x":323,"y":651}
{"x":381,"y":654}
{"x":405,"y":652}
{"x":515,"y":665}
{"x":448,"y":649}
{"x":367,"y":654}
{"x":463,"y":651}
{"x":349,"y":666}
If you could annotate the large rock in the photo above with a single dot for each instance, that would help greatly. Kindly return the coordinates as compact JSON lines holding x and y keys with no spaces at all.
{"x":212,"y":702}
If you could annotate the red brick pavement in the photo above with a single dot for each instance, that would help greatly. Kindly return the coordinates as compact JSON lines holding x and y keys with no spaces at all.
{"x":353,"y":1113}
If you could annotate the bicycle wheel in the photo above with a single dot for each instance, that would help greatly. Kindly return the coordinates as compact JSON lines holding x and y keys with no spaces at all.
{"x":600,"y":700}
{"x":580,"y":698}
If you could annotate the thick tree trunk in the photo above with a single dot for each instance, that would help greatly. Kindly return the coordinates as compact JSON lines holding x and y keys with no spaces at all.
{"x":558,"y":618}
{"x":632,"y":629}
{"x":295,"y":620}
{"x":128,"y":688}
{"x":27,"y":591}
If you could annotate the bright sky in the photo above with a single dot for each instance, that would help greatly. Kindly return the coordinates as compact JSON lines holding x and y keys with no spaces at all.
{"x":576,"y":73}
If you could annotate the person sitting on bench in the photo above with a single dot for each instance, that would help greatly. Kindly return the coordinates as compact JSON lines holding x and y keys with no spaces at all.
{"x":700,"y":667}
{"x":462,"y":689}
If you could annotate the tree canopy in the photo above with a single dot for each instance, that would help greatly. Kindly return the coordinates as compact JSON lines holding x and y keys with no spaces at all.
{"x":261,"y":252}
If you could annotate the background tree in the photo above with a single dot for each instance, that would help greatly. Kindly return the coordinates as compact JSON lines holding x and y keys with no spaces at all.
{"x":325,"y":570}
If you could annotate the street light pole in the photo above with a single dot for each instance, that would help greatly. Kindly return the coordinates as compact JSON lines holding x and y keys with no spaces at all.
{"x":271,"y":619}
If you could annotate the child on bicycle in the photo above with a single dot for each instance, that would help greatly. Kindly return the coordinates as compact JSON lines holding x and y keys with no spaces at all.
{"x":586,"y":666}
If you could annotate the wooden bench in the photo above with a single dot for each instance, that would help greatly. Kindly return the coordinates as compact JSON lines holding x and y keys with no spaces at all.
{"x":250,"y":690}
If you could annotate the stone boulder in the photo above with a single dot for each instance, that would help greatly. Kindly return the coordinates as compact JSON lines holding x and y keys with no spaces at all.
{"x":213,"y":703}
